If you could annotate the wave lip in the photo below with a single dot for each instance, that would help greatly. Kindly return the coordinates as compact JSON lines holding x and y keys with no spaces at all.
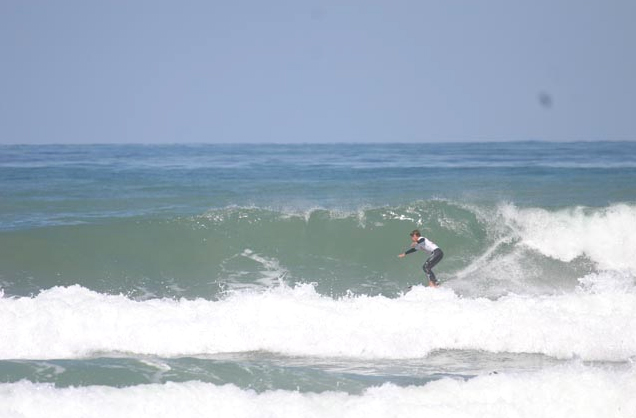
{"x":74,"y":322}
{"x":605,"y":235}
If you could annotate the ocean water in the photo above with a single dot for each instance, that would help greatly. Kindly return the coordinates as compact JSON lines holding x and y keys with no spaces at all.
{"x":263,"y":280}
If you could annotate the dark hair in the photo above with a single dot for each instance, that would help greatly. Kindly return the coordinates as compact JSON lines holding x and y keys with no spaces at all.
{"x":416,"y":232}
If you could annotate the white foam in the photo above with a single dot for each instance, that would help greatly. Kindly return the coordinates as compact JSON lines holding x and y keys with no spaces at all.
{"x":305,"y":212}
{"x":269,"y":274}
{"x":73,"y":322}
{"x":605,"y":235}
{"x":571,"y":391}
{"x":272,"y":272}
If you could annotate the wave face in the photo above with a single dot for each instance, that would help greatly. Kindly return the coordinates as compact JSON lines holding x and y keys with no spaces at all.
{"x":489,"y":251}
{"x":265,"y":280}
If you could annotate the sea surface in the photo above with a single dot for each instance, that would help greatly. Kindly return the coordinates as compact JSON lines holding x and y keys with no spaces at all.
{"x":263,"y":280}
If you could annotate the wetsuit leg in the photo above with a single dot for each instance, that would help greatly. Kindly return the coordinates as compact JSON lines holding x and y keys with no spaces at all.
{"x":435,"y":258}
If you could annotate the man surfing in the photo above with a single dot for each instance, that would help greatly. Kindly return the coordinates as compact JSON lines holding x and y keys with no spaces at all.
{"x":436,"y":255}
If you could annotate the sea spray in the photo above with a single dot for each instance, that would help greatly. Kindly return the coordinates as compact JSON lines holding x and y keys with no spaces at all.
{"x":605,"y":235}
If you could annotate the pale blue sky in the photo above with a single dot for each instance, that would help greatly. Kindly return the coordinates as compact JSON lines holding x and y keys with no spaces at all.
{"x":83,"y":71}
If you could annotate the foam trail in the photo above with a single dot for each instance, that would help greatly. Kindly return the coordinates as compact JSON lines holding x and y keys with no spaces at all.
{"x":75,"y":322}
{"x":568,"y":391}
{"x":482,"y":260}
{"x":271,"y":273}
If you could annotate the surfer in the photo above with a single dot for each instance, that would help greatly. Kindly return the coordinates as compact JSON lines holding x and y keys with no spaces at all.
{"x":425,"y":244}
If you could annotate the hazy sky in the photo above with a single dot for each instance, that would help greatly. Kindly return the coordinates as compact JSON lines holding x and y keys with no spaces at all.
{"x":87,"y":71}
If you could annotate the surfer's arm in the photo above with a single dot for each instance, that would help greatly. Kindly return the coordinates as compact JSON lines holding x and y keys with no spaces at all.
{"x":407,"y":252}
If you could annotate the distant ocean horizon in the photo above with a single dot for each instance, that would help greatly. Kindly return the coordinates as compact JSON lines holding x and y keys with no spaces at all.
{"x":263,"y":279}
{"x":380,"y":142}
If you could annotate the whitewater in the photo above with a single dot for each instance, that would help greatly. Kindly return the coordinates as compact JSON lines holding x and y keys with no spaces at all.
{"x":263,"y":280}
{"x":567,"y":391}
{"x":75,"y":322}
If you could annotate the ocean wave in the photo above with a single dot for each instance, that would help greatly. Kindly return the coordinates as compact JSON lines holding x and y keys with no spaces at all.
{"x":74,"y":322}
{"x":489,"y":250}
{"x":563,"y":391}
{"x":605,"y":235}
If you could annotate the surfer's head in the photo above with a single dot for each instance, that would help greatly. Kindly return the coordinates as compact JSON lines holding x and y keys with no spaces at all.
{"x":415,"y":233}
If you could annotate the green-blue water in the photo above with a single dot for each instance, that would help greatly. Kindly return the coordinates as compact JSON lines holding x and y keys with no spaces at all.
{"x":274,"y":267}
